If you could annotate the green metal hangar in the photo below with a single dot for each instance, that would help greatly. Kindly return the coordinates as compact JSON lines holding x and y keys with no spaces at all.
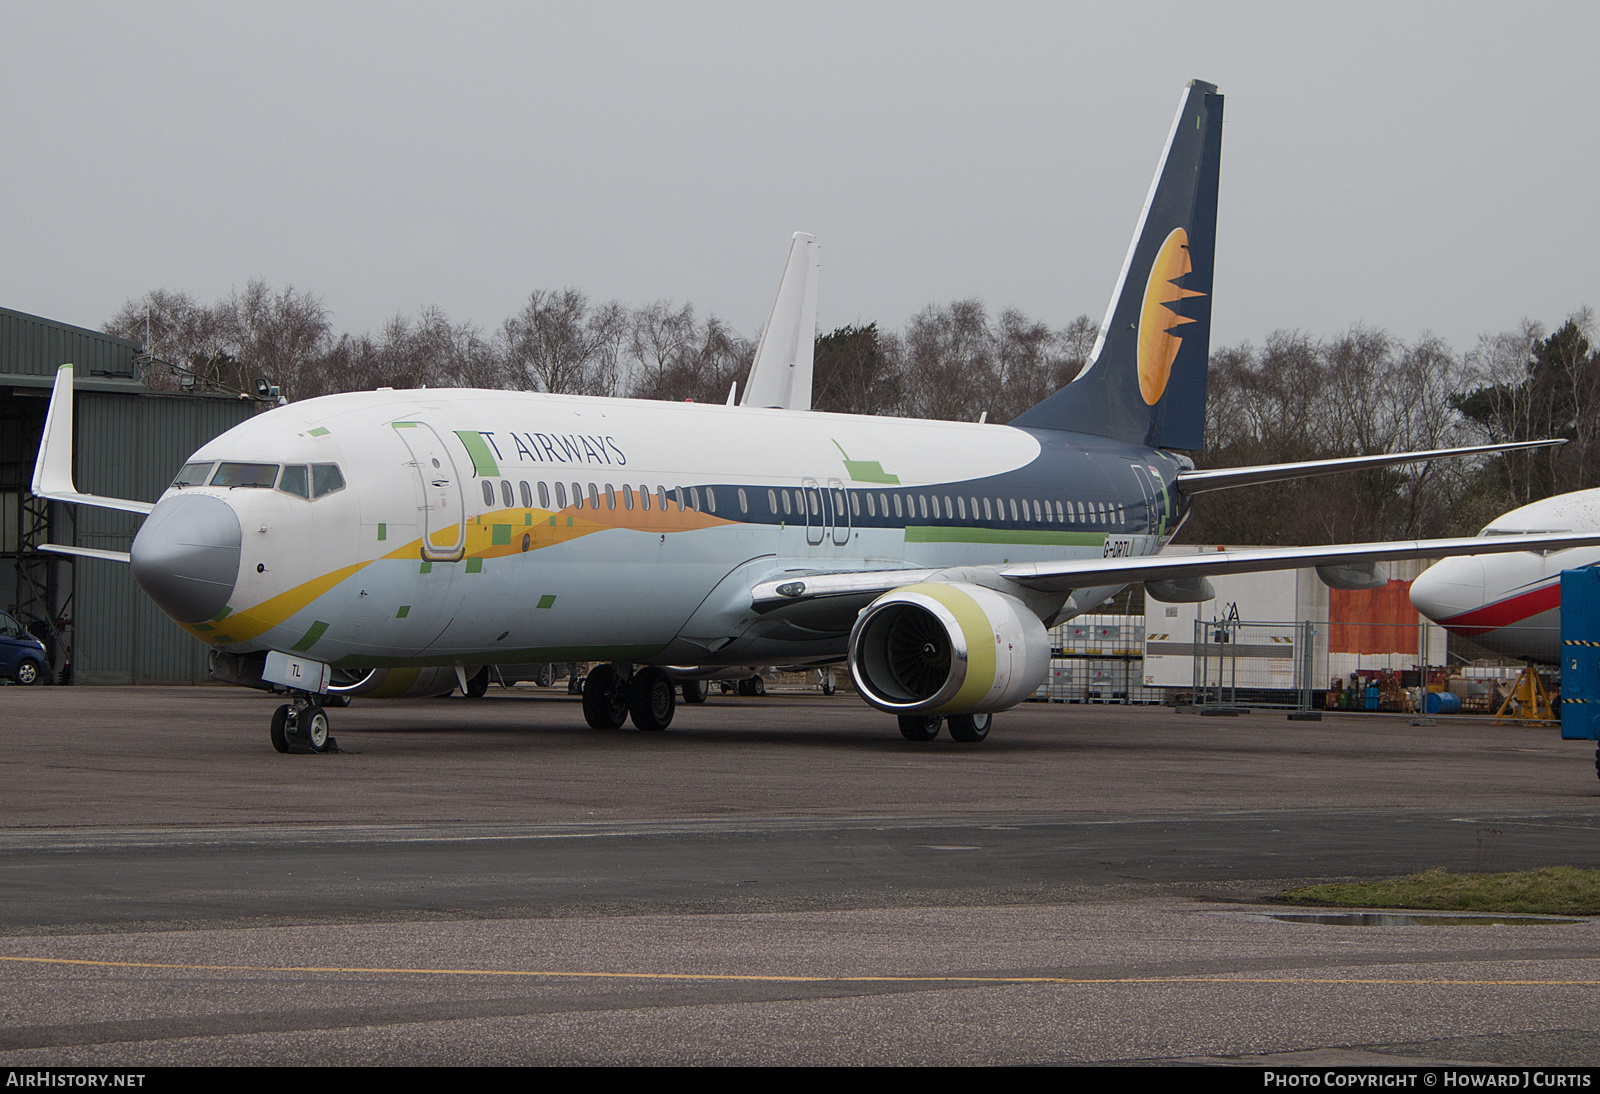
{"x":130,"y":440}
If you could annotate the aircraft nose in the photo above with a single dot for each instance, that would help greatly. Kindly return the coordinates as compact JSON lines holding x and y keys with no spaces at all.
{"x":186,"y":556}
{"x":1448,"y":588}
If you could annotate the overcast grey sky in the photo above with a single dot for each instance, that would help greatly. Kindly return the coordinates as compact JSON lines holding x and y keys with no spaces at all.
{"x":1412,"y":167}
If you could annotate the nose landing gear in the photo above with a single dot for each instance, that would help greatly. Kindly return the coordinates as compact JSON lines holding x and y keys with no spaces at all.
{"x":302,"y":726}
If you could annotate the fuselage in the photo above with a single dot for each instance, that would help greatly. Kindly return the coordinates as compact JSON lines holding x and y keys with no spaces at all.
{"x":440,"y":527}
{"x":1511,"y":603}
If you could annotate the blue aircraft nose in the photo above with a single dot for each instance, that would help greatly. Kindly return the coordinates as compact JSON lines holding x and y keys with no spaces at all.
{"x":186,"y":556}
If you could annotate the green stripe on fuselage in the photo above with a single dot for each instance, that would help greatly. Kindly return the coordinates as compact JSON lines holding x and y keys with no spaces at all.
{"x":318,"y":629}
{"x":507,"y":657}
{"x":482,"y":458}
{"x":922,"y":533}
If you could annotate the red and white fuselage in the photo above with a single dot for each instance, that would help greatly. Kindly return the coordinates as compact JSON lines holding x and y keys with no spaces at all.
{"x":1511,"y":603}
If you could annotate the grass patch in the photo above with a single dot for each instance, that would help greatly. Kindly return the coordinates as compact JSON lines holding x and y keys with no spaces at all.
{"x":1553,"y":890}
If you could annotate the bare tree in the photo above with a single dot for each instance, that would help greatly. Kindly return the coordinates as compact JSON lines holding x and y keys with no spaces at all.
{"x":430,"y":351}
{"x":175,"y":329}
{"x":689,"y":361}
{"x":1507,"y":405}
{"x":853,"y":373}
{"x":660,"y":338}
{"x":1359,"y":393}
{"x":947,"y":358}
{"x":558,"y":344}
{"x":280,"y":336}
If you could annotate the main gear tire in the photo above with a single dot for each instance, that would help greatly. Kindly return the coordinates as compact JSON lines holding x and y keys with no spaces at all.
{"x":605,"y":698}
{"x":652,"y":699}
{"x":970,"y":728}
{"x":920,"y":727}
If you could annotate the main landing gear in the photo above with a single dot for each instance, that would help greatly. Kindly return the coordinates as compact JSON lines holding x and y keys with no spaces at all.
{"x":302,"y":726}
{"x":967,"y":728}
{"x":612,"y":694}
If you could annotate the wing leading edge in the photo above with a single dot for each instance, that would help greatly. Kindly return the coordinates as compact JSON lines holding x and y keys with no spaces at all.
{"x":1068,"y":575}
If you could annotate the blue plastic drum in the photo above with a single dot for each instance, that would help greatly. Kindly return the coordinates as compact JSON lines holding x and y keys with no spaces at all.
{"x":1441,"y":702}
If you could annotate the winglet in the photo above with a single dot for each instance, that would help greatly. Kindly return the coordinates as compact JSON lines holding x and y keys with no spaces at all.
{"x":52,"y":471}
{"x":781,"y":374}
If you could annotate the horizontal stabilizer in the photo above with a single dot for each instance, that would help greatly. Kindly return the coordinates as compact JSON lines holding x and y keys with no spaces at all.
{"x":87,"y":552}
{"x":1226,"y":478}
{"x":52,"y":471}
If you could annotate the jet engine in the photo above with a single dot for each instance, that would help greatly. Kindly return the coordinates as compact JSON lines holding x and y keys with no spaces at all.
{"x":947,"y":648}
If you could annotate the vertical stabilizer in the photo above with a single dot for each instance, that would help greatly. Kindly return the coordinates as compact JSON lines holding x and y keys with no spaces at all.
{"x":1146,"y":379}
{"x":781,"y":374}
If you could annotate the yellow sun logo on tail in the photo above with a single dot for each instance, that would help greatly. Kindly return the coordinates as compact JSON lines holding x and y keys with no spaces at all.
{"x":1159,"y":320}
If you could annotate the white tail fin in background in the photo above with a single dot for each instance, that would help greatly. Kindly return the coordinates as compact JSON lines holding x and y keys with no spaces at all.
{"x":781,"y":374}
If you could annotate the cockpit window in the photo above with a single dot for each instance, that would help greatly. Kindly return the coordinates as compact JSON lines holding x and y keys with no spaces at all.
{"x":295,"y":481}
{"x":193,"y":474}
{"x":325,"y":479}
{"x":246,"y":474}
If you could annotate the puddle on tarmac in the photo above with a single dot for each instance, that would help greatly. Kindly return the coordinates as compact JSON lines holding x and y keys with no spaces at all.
{"x":1417,"y":919}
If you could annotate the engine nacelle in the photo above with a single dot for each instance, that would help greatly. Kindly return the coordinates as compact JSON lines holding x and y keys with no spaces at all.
{"x":956,"y":648}
{"x":1354,"y":576}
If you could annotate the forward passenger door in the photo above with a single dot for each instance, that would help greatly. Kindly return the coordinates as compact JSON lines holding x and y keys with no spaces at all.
{"x":444,"y":515}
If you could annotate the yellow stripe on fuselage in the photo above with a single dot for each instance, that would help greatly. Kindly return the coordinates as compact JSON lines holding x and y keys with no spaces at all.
{"x":246,"y":623}
{"x":543,"y":527}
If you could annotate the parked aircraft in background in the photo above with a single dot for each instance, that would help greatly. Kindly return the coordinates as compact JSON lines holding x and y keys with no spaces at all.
{"x":389,"y":543}
{"x":1511,"y":603}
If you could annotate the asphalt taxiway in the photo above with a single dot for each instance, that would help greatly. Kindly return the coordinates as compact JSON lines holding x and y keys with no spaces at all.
{"x":779,"y":879}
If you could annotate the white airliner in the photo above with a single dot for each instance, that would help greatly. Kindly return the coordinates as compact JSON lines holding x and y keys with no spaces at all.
{"x":388,"y":543}
{"x":1511,"y":603}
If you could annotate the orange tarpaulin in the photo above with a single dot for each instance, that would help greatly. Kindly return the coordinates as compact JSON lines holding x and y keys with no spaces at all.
{"x":1372,"y":620}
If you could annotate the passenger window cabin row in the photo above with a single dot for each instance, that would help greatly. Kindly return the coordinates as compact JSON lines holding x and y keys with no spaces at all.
{"x":806,"y":502}
{"x":319,"y":479}
{"x":614,"y":497}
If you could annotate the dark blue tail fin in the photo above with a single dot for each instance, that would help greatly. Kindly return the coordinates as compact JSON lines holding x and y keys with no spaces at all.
{"x":1146,"y":380}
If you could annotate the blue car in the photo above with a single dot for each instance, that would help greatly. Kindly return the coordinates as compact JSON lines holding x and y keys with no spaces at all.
{"x":22,"y":656}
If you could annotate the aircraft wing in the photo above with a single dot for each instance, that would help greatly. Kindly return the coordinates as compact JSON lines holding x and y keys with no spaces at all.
{"x":1226,"y":478}
{"x":1070,"y":574}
